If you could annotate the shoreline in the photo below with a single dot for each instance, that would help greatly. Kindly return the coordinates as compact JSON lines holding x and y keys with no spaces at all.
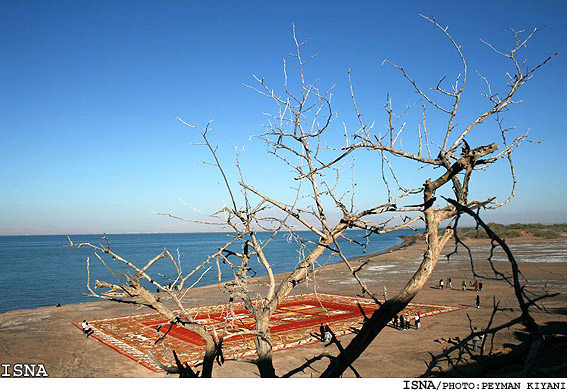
{"x":66,"y":353}
{"x":407,"y":240}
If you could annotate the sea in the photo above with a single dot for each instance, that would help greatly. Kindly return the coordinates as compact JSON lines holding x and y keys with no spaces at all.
{"x":40,"y":271}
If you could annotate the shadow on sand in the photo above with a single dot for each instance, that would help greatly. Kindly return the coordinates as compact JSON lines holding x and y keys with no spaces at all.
{"x":551,"y":360}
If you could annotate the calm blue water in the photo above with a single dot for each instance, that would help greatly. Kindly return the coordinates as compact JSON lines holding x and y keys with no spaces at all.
{"x":37,"y":271}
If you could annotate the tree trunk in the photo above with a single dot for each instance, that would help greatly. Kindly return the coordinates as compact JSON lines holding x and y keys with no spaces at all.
{"x":264,"y":347}
{"x":364,"y":337}
{"x":209,"y":358}
{"x":380,"y":318}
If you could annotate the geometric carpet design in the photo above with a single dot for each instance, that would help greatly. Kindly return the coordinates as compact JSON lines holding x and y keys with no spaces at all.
{"x":295,"y":323}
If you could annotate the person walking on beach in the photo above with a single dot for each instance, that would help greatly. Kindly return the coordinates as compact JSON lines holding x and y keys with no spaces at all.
{"x":417,"y":319}
{"x":477,"y":301}
{"x":441,"y":284}
{"x":480,"y":286}
{"x":385,"y":293}
{"x":449,"y":283}
{"x":464,"y":285}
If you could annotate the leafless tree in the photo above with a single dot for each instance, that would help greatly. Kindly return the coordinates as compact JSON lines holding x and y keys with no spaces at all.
{"x":293,"y":135}
{"x":296,"y":134}
{"x":456,"y":171}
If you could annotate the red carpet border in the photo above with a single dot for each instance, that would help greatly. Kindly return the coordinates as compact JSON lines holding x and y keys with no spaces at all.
{"x":295,"y":323}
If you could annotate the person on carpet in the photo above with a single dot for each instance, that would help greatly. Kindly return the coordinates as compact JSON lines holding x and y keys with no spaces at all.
{"x":87,"y":329}
{"x":328,"y":335}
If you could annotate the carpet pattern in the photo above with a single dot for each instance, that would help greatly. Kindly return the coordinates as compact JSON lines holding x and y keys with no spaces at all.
{"x":295,"y":323}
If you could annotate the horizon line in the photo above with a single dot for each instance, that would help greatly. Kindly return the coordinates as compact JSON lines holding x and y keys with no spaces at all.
{"x":209,"y":232}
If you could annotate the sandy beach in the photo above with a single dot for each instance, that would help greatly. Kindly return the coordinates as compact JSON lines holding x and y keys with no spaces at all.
{"x":47,"y":335}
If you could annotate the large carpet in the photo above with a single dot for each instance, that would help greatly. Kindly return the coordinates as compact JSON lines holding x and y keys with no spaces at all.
{"x":296,"y":322}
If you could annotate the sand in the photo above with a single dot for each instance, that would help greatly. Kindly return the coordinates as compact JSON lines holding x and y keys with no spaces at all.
{"x":47,"y":336}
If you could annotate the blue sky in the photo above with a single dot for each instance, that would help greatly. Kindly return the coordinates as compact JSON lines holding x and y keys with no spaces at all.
{"x":90,"y":92}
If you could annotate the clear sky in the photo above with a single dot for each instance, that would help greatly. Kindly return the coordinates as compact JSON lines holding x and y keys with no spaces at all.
{"x":90,"y":92}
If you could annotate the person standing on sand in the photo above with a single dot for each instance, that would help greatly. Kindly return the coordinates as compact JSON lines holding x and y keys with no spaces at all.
{"x":475,"y":340}
{"x":477,"y":301}
{"x":441,"y":284}
{"x":385,"y":293}
{"x":464,"y":285}
{"x":417,"y":319}
{"x":395,"y":321}
{"x":480,"y":286}
{"x":449,"y":283}
{"x":401,"y":322}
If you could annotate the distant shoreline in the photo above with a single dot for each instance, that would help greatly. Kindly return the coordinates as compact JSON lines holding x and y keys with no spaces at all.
{"x":514,"y":226}
{"x":139,"y":233}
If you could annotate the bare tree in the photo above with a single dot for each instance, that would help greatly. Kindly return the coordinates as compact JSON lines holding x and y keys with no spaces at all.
{"x":293,"y":135}
{"x":457,"y":170}
{"x":296,"y":134}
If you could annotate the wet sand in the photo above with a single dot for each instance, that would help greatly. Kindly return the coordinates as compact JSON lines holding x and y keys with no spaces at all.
{"x":46,"y":335}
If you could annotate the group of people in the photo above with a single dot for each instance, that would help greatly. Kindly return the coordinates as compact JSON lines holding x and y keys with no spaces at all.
{"x":477,"y":285}
{"x":403,"y":322}
{"x":449,"y":283}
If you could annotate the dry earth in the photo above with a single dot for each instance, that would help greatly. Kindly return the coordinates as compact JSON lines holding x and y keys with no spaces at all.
{"x":46,"y":335}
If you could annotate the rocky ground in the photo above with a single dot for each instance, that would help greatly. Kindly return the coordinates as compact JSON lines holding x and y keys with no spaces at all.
{"x":47,"y":336}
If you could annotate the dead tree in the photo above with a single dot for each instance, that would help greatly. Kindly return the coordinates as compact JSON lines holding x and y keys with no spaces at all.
{"x":457,"y":171}
{"x":293,"y":135}
{"x":296,"y":134}
{"x":303,"y":117}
